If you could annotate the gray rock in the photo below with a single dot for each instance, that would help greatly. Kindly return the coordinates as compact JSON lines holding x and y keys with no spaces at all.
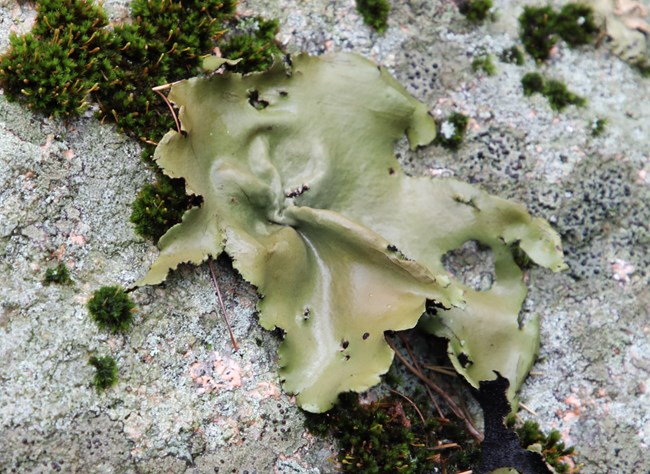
{"x":185,"y":402}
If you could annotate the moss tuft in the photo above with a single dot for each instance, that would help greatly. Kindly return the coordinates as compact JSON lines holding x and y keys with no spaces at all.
{"x":475,"y":11}
{"x":513,"y":55}
{"x":388,"y":436}
{"x":112,"y":309}
{"x":575,"y":24}
{"x":56,"y":66}
{"x":159,"y":206}
{"x":536,"y":30}
{"x":541,"y":27}
{"x":451,"y":131}
{"x":59,"y":275}
{"x":253,"y":41}
{"x":597,"y":126}
{"x":532,"y":82}
{"x":374,"y":13}
{"x":559,"y":96}
{"x":484,"y":63}
{"x":71,"y":58}
{"x":106,"y":374}
{"x":555,"y":453}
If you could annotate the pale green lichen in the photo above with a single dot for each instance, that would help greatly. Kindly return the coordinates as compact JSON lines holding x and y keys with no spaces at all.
{"x":342,"y":245}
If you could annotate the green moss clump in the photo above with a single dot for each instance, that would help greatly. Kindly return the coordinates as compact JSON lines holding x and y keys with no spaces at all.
{"x":106,"y":374}
{"x":597,"y":127}
{"x":59,"y":275}
{"x":71,"y":57}
{"x":253,"y":41}
{"x":160,"y":205}
{"x":112,"y":309}
{"x":484,"y":63}
{"x":451,"y":131}
{"x":61,"y":61}
{"x":475,"y":11}
{"x":536,"y":30}
{"x":532,"y":82}
{"x":164,"y":43}
{"x":513,"y":55}
{"x":559,"y":96}
{"x":575,"y":24}
{"x":541,"y":27}
{"x":374,"y":13}
{"x":388,"y":436}
{"x":555,"y":452}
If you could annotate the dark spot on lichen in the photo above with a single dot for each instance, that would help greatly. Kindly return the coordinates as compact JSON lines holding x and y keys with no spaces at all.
{"x":255,"y":101}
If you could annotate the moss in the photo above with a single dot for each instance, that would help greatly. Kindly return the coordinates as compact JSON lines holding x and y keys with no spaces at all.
{"x":555,"y":452}
{"x":484,"y":63}
{"x":71,"y":58}
{"x":163,"y":43}
{"x":59,"y":275}
{"x":575,"y":24}
{"x":536,"y":31}
{"x":559,"y":96}
{"x":513,"y":55}
{"x":374,"y":13}
{"x":541,"y":27}
{"x":388,"y":436}
{"x":160,"y":205}
{"x":451,"y":131}
{"x":106,"y":372}
{"x":532,"y":82}
{"x":253,"y":41}
{"x":56,"y":66}
{"x":111,"y":308}
{"x":475,"y":11}
{"x":597,"y":127}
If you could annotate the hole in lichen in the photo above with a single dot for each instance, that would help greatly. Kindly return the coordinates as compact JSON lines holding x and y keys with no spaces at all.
{"x":366,"y":335}
{"x":473,"y":264}
{"x":255,"y":101}
{"x":345,"y":343}
{"x":464,"y":360}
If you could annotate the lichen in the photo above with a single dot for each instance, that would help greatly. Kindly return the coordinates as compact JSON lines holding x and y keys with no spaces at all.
{"x":334,"y":265}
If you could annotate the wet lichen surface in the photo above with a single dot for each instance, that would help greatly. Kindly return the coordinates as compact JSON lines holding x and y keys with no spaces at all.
{"x":184,"y":402}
